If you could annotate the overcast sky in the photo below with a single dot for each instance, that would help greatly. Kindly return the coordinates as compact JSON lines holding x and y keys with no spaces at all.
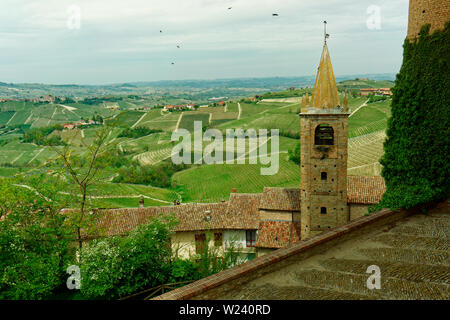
{"x":120,"y":40}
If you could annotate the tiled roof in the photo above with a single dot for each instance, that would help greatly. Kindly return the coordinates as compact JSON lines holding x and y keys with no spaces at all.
{"x":191,"y":217}
{"x":360,"y":190}
{"x":365,"y":190}
{"x":412,"y":252}
{"x":277,"y":234}
{"x":283,"y":199}
{"x":241,"y":212}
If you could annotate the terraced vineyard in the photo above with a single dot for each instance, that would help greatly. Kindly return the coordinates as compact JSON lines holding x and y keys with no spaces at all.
{"x":364,"y":153}
{"x":366,"y":133}
{"x":218,"y":180}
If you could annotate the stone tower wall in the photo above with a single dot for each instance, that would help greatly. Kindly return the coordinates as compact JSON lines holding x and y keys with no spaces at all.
{"x":421,"y":12}
{"x":315,"y":192}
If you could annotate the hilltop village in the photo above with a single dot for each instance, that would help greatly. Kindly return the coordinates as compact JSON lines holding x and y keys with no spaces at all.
{"x":96,"y":171}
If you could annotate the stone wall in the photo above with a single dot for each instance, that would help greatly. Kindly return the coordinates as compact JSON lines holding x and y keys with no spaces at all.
{"x":421,"y":12}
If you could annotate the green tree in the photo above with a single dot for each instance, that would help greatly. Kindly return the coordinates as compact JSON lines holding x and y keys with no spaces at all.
{"x":34,"y":238}
{"x":118,"y":266}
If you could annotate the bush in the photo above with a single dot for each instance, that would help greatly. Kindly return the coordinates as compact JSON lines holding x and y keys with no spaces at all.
{"x":34,"y":242}
{"x":137,"y":132}
{"x":119,"y":266}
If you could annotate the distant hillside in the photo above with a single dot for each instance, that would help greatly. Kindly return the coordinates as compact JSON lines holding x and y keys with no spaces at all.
{"x":361,"y":83}
{"x":191,"y":89}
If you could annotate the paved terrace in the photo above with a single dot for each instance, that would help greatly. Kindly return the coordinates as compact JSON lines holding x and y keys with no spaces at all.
{"x":411,"y":249}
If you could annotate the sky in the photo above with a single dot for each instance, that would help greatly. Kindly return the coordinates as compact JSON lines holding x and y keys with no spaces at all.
{"x":115,"y":41}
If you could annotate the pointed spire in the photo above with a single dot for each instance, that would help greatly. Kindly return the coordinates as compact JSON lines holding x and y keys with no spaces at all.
{"x":325,"y":94}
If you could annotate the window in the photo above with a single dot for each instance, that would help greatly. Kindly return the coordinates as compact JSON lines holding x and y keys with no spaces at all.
{"x":200,"y":242}
{"x":323,"y":210}
{"x":323,"y":176}
{"x":251,"y":238}
{"x":324,"y":135}
{"x":218,"y":239}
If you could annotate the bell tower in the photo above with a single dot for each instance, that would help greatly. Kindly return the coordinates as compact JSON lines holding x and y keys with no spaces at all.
{"x":323,"y":155}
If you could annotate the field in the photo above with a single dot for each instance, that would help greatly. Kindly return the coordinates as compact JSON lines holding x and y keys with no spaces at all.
{"x":201,"y":182}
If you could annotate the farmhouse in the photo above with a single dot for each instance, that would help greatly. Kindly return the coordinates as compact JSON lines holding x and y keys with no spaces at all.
{"x":376,"y":91}
{"x":256,"y":223}
{"x":68,"y":126}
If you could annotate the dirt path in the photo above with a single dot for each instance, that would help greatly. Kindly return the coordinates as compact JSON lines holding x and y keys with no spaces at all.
{"x":37,"y":154}
{"x":363,"y":105}
{"x":140,"y":119}
{"x":11,"y":118}
{"x":179,"y":121}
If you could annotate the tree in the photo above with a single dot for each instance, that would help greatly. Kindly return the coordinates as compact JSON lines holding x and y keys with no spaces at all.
{"x":118,"y":266}
{"x":415,"y":163}
{"x":82,"y":171}
{"x":34,"y":238}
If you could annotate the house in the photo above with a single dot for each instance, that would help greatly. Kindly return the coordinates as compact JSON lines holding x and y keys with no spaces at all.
{"x":256,"y":223}
{"x":68,"y":126}
{"x":221,"y":103}
{"x":376,"y":91}
{"x":385,"y":91}
{"x":408,"y":248}
{"x":366,"y":92}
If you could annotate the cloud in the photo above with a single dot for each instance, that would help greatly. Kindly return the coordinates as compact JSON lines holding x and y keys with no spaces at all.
{"x":118,"y":39}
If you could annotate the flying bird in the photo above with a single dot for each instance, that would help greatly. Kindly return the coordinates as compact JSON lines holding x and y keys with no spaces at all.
{"x":173,"y":62}
{"x":178,"y":46}
{"x":275,"y":14}
{"x":160,"y":31}
{"x":230,"y":8}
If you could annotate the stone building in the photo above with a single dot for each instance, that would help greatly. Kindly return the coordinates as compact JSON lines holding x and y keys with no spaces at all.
{"x":421,"y":12}
{"x":256,"y":223}
{"x":323,"y":156}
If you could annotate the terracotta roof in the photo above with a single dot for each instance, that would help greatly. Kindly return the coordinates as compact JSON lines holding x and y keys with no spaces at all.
{"x":277,"y":234}
{"x":283,"y":199}
{"x":241,"y":212}
{"x":360,"y":190}
{"x":365,"y":190}
{"x":191,"y":217}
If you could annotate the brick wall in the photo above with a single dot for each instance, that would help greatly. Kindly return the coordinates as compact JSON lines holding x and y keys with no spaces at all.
{"x":421,"y":12}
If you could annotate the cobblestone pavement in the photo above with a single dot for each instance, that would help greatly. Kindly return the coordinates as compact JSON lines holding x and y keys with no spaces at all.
{"x":412,"y":254}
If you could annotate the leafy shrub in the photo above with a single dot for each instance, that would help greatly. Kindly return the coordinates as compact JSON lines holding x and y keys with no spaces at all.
{"x":34,"y":241}
{"x":137,"y":132}
{"x":118,"y":266}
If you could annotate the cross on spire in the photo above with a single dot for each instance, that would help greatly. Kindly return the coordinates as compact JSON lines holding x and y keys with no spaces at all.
{"x":326,"y":35}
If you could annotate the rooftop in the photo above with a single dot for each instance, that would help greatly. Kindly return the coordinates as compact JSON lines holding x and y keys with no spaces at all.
{"x":410,"y":248}
{"x":241,"y":212}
